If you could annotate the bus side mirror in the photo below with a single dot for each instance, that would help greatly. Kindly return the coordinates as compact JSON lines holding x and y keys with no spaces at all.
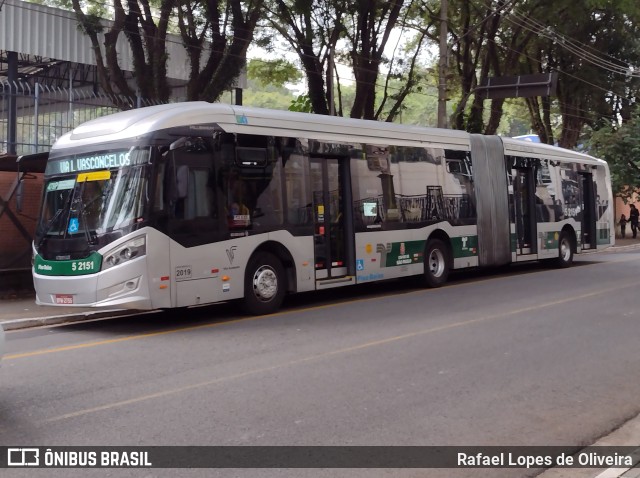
{"x":178,"y":143}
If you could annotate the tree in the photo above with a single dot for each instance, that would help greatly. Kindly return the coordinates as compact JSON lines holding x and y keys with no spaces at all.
{"x":215,"y":33}
{"x":484,"y":44}
{"x":591,"y":45}
{"x":620,"y":147}
{"x":371,"y":24}
{"x":312,"y":29}
{"x":357,"y":33}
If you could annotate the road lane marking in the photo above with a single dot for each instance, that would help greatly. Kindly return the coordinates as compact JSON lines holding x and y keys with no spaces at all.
{"x":354,"y":348}
{"x":245,"y":319}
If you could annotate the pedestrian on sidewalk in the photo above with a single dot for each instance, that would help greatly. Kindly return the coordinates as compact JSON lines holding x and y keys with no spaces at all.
{"x":623,"y":225}
{"x":633,"y":218}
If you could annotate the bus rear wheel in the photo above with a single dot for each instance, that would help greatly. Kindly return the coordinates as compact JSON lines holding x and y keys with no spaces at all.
{"x":264,"y":285}
{"x":437,"y":263}
{"x":565,"y":249}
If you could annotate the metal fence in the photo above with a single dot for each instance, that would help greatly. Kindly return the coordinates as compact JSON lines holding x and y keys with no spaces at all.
{"x":42,"y":114}
{"x":45,"y":113}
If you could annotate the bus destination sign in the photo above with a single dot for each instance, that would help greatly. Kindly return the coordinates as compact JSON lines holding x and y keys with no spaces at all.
{"x":102,"y":160}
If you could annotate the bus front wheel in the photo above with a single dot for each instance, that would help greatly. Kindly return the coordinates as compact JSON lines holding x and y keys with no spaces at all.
{"x":436,"y":263}
{"x":264,"y":286}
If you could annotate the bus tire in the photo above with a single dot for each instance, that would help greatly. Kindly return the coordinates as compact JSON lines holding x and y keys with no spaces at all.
{"x":264,"y":285}
{"x":565,"y":250}
{"x":437,"y":263}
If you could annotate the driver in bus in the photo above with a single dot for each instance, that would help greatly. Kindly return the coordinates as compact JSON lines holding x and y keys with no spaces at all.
{"x":238,"y":212}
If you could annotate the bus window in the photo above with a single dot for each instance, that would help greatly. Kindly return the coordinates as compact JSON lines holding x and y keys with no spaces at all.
{"x":297,"y":188}
{"x":191,"y":191}
{"x":189,"y":195}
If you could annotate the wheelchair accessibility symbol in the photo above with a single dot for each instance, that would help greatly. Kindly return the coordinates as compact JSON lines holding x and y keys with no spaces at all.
{"x":360,"y":264}
{"x":74,"y":225}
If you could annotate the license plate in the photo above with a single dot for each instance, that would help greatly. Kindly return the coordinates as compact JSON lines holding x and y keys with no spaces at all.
{"x":64,"y":299}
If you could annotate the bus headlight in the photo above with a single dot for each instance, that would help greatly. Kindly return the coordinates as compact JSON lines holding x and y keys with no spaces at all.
{"x":136,"y":247}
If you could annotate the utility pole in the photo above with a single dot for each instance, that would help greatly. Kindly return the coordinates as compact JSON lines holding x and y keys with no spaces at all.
{"x":442,"y":67}
{"x":330,"y":81}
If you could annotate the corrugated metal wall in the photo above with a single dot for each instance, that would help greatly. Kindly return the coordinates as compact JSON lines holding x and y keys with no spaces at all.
{"x":35,"y":29}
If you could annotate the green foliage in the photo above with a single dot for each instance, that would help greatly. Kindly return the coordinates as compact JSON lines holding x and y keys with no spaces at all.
{"x":272,"y":97}
{"x":515,"y":119}
{"x":273,"y":72}
{"x":301,"y":104}
{"x":620,"y":147}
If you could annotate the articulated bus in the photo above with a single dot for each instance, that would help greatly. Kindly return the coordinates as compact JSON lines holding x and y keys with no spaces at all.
{"x":194,"y":203}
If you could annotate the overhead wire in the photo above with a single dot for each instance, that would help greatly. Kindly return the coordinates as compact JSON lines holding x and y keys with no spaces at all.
{"x":606,"y":90}
{"x":573,"y":46}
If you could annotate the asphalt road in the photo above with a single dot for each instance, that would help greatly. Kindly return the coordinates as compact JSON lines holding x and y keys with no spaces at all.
{"x":529,"y":356}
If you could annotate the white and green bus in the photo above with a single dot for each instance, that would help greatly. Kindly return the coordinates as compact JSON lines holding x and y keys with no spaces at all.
{"x":196,"y":203}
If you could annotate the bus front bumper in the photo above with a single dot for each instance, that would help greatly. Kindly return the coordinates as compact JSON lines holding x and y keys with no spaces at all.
{"x":122,"y":287}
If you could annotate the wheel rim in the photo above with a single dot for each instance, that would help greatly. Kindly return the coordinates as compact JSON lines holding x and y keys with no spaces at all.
{"x":565,"y":249}
{"x":265,"y":283}
{"x":436,"y":263}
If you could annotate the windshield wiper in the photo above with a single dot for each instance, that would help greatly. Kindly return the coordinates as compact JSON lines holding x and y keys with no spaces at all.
{"x":87,"y":234}
{"x":52,"y":221}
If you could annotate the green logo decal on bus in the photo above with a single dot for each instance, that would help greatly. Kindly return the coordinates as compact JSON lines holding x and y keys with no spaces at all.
{"x":464,"y":246}
{"x":549,"y":240}
{"x":401,"y":253}
{"x":76,"y":267}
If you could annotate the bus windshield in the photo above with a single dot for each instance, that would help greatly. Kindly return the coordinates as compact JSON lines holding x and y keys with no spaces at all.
{"x":94,"y":203}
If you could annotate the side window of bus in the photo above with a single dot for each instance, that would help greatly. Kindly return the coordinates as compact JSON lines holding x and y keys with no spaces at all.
{"x":297,"y":178}
{"x":375,"y":187}
{"x":250,"y":182}
{"x":189,"y":182}
{"x":545,"y":192}
{"x":459,"y":192}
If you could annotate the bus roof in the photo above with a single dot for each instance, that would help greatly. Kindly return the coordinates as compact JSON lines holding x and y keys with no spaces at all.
{"x":241,"y":119}
{"x":248,"y":120}
{"x":546,"y":151}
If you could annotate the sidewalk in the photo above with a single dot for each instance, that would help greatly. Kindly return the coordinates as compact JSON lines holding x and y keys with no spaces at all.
{"x":626,"y":243}
{"x":22,"y":312}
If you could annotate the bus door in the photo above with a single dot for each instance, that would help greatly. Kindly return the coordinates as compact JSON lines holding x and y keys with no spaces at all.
{"x":333,"y":225}
{"x":587,"y":211}
{"x":525,"y":211}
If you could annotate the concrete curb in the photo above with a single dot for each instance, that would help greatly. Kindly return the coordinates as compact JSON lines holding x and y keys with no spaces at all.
{"x":17,"y":324}
{"x":630,"y":247}
{"x":626,"y":435}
